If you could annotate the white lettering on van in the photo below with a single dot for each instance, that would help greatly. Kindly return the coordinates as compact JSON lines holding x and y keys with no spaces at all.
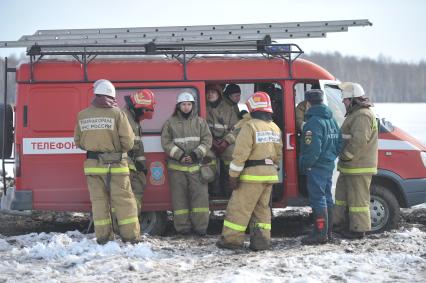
{"x":50,"y":146}
{"x":99,"y":123}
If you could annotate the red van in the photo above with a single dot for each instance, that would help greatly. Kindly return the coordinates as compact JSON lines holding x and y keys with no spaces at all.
{"x":50,"y":93}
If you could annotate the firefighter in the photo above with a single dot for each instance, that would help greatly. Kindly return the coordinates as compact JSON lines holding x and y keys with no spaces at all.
{"x":104,"y":132}
{"x":357,"y":163}
{"x":222,"y":115}
{"x":253,"y":171}
{"x":139,"y":106}
{"x":186,"y":138}
{"x":301,"y":109}
{"x":320,"y":145}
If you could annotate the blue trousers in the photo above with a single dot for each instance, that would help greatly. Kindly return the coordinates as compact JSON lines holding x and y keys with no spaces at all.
{"x":319,"y":188}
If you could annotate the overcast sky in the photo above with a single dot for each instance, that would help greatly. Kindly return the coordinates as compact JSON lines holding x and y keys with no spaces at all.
{"x":398,"y":30}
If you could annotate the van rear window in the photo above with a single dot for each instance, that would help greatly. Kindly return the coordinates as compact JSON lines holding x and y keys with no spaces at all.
{"x":165,"y":102}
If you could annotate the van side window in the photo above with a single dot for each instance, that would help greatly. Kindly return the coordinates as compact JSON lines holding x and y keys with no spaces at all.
{"x":165,"y":102}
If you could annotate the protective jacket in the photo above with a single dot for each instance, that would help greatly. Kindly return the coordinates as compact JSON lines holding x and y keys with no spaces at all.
{"x":182,"y":136}
{"x":300,"y":115}
{"x":103,"y":130}
{"x":137,"y":153}
{"x":237,"y":128}
{"x":258,"y":140}
{"x":360,"y":150}
{"x":321,"y":139}
{"x":222,"y":118}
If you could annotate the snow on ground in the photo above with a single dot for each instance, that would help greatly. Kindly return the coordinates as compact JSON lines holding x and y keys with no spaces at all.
{"x":397,"y":256}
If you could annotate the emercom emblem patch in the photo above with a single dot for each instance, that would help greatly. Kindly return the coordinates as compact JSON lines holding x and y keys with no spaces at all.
{"x":308,"y":137}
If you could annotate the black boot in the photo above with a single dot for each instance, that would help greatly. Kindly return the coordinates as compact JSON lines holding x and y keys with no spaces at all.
{"x":352,"y":235}
{"x":330,"y":236}
{"x":319,"y":234}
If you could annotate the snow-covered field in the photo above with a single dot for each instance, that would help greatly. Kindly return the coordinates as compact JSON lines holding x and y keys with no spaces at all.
{"x":396,"y":256}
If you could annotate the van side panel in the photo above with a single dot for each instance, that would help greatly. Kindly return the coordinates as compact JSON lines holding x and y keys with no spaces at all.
{"x":51,"y":165}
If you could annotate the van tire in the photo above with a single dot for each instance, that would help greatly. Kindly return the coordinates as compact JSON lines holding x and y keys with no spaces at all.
{"x":8,"y":123}
{"x":384,"y":209}
{"x":153,"y":222}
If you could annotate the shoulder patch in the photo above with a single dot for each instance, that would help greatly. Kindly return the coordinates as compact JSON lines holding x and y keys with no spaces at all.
{"x":308,"y":137}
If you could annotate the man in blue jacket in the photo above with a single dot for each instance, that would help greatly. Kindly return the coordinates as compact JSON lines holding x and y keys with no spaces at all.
{"x":320,"y":146}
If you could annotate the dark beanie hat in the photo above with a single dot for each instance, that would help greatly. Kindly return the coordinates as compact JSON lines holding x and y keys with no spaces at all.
{"x":231,"y":89}
{"x":314,"y":96}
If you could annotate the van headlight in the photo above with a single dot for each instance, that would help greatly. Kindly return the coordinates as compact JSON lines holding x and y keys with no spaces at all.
{"x":423,"y":157}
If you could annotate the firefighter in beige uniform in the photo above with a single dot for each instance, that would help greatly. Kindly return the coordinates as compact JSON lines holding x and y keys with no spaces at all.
{"x":357,"y":163}
{"x":300,"y":110}
{"x":222,"y":115}
{"x":186,"y":139}
{"x":139,"y":106}
{"x":104,"y":132}
{"x":253,"y":171}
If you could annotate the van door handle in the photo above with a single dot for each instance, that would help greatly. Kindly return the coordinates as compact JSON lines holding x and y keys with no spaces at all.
{"x":288,"y":141}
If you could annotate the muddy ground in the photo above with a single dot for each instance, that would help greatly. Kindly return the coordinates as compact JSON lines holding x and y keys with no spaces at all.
{"x":287,"y":223}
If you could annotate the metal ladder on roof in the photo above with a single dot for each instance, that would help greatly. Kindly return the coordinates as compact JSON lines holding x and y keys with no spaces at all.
{"x":200,"y":39}
{"x":180,"y":42}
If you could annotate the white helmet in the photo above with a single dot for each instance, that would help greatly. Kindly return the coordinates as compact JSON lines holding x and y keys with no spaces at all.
{"x":104,"y":87}
{"x":185,"y":97}
{"x":351,"y":90}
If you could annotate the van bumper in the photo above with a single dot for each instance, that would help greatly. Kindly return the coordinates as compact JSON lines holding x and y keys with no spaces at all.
{"x":413,"y":190}
{"x":17,"y":200}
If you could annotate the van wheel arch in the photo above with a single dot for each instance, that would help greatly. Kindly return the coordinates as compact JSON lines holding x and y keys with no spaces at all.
{"x":384,"y":208}
{"x":153,"y":222}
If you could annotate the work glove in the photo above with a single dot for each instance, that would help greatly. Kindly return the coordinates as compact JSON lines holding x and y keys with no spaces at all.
{"x":216,"y":146}
{"x":186,"y":159}
{"x":194,"y":157}
{"x":140,"y":167}
{"x":223,"y":145}
{"x":344,"y":158}
{"x":233,"y":183}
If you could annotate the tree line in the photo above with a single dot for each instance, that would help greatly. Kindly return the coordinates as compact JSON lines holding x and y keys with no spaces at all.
{"x":383,"y":79}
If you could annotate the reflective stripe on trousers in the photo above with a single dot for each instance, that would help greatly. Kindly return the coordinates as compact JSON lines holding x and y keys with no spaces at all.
{"x":234,"y":226}
{"x":265,"y":226}
{"x":258,"y":178}
{"x":194,"y":210}
{"x":102,"y":170}
{"x":182,"y":168}
{"x":367,"y":170}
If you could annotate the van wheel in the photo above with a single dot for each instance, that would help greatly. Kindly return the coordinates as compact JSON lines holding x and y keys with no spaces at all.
{"x":153,"y":222}
{"x":384,"y":209}
{"x":8,"y":124}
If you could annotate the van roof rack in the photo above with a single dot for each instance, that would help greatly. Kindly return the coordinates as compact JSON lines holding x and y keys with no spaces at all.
{"x":180,"y":42}
{"x":202,"y":39}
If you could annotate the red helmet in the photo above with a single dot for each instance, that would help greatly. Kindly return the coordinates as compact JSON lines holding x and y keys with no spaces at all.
{"x":143,"y":99}
{"x":259,"y":101}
